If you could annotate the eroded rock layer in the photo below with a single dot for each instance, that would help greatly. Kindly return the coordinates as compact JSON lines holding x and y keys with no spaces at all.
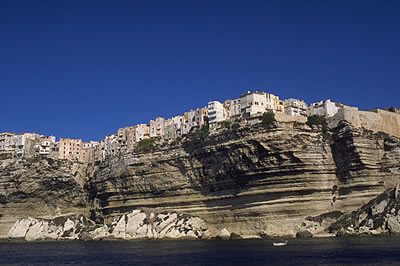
{"x":253,"y":180}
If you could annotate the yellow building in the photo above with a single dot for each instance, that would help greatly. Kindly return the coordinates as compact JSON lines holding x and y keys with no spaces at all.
{"x":70,"y":149}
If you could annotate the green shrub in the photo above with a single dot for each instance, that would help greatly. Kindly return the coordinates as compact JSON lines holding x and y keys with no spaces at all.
{"x":146,"y":145}
{"x":268,"y":119}
{"x":317,"y":120}
{"x":203,"y":132}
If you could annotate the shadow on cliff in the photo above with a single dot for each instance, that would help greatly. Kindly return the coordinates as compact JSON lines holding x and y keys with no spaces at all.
{"x":345,"y":155}
{"x":229,"y":167}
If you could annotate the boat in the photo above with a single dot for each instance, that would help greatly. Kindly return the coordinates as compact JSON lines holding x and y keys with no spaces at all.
{"x":280,"y":244}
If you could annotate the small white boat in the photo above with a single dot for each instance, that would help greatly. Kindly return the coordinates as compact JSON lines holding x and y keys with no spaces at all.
{"x":279,"y":244}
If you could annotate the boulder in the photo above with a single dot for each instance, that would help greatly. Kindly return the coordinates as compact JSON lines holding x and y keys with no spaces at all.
{"x":302,"y":234}
{"x":235,"y":236}
{"x":393,"y":225}
{"x":20,"y":228}
{"x":224,"y":234}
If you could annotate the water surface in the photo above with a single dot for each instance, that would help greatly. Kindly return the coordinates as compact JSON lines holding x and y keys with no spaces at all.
{"x":328,"y":251}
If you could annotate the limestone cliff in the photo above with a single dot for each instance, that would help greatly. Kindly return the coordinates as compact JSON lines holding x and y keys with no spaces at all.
{"x":39,"y":188}
{"x":251,"y":180}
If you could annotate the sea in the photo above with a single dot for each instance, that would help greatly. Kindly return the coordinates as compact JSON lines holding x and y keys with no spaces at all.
{"x":311,"y":251}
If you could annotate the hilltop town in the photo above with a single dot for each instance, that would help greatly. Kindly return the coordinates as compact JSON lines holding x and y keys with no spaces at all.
{"x":248,"y":106}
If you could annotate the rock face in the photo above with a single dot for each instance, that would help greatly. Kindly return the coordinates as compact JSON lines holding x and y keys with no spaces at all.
{"x":134,"y":225}
{"x":248,"y":180}
{"x":252,"y":180}
{"x":379,"y":216}
{"x":40,"y":188}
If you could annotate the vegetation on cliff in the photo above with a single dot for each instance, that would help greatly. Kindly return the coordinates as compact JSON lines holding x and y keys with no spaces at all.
{"x":268,"y":119}
{"x":146,"y":145}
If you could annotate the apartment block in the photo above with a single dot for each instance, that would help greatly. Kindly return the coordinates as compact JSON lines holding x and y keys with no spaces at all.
{"x":232,"y":109}
{"x":70,"y":149}
{"x":126,"y":137}
{"x":194,"y":119}
{"x":257,"y":103}
{"x":142,"y":132}
{"x":111,"y":144}
{"x":24,"y":144}
{"x":89,"y":151}
{"x":45,"y":145}
{"x":157,"y":127}
{"x":295,"y":107}
{"x":177,"y":125}
{"x":216,"y":113}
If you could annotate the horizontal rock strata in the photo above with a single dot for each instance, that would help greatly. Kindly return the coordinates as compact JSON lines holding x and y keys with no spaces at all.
{"x":253,"y":180}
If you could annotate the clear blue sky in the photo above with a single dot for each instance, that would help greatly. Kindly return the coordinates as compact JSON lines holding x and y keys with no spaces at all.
{"x":82,"y":69}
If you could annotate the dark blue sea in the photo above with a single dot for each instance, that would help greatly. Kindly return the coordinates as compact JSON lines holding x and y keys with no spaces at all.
{"x":314,"y":251}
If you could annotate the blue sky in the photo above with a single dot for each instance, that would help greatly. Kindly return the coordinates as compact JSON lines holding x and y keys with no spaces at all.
{"x":82,"y":69}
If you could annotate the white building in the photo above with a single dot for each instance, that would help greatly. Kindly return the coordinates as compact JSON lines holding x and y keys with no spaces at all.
{"x":295,"y":107}
{"x":46,"y":144}
{"x":324,"y":108}
{"x":111,"y":144}
{"x":215,"y":113}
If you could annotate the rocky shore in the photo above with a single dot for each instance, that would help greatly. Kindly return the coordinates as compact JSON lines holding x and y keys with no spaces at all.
{"x":242,"y":181}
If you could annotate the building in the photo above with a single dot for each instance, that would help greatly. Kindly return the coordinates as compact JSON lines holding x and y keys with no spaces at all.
{"x":157,"y":127}
{"x":46,"y":145}
{"x":7,"y":141}
{"x":232,"y":109}
{"x":142,"y":132}
{"x":295,"y":107}
{"x":194,"y":119}
{"x":111,"y":144}
{"x":324,"y":108}
{"x":188,"y":121}
{"x":257,"y":103}
{"x":279,"y":107}
{"x":89,"y":151}
{"x":216,"y":113}
{"x":25,"y":143}
{"x":70,"y":149}
{"x":168,"y":129}
{"x":201,"y":117}
{"x":123,"y":137}
{"x":177,"y":125}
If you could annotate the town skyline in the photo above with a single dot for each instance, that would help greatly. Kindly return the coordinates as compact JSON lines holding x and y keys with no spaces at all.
{"x":84,"y":68}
